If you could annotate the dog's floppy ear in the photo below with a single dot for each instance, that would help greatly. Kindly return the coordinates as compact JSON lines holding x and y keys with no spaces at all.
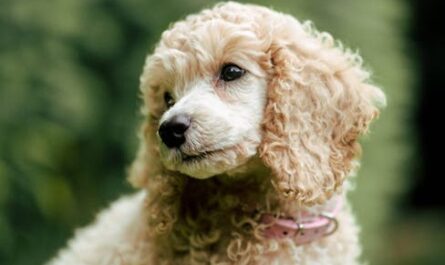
{"x":147,"y":171}
{"x":319,"y":103}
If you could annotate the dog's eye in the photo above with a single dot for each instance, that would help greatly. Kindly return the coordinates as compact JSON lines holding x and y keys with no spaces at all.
{"x":231,"y":72}
{"x":168,"y":99}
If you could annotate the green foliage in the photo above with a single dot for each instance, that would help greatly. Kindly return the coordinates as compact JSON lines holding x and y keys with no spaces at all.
{"x":69,"y":74}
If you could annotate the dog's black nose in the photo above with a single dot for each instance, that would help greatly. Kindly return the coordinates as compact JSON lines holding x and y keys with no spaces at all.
{"x":172,"y":131}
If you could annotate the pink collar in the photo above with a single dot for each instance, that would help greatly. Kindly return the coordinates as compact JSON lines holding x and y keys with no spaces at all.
{"x":305,"y":229}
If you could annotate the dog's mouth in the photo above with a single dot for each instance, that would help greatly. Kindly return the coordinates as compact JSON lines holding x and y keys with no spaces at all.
{"x":205,"y":163}
{"x":200,"y":156}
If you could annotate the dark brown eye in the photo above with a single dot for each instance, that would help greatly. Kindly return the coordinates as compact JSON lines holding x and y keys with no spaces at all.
{"x":168,"y":99}
{"x":231,"y":72}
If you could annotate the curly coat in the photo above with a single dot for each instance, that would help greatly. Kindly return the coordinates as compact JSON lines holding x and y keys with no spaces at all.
{"x":318,"y":102}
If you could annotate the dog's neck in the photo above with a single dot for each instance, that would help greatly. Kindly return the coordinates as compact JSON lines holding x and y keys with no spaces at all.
{"x":244,"y":191}
{"x":224,"y":193}
{"x":227,"y":204}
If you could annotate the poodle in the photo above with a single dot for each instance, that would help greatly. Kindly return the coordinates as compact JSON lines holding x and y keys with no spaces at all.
{"x":251,"y":127}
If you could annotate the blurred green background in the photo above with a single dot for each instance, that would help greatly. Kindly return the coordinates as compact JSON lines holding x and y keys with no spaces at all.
{"x":69,"y":102}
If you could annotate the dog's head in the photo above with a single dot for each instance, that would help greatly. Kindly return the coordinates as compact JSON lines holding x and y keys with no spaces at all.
{"x":239,"y":80}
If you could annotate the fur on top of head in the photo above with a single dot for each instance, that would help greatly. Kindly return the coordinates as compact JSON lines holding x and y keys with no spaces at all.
{"x":300,"y":105}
